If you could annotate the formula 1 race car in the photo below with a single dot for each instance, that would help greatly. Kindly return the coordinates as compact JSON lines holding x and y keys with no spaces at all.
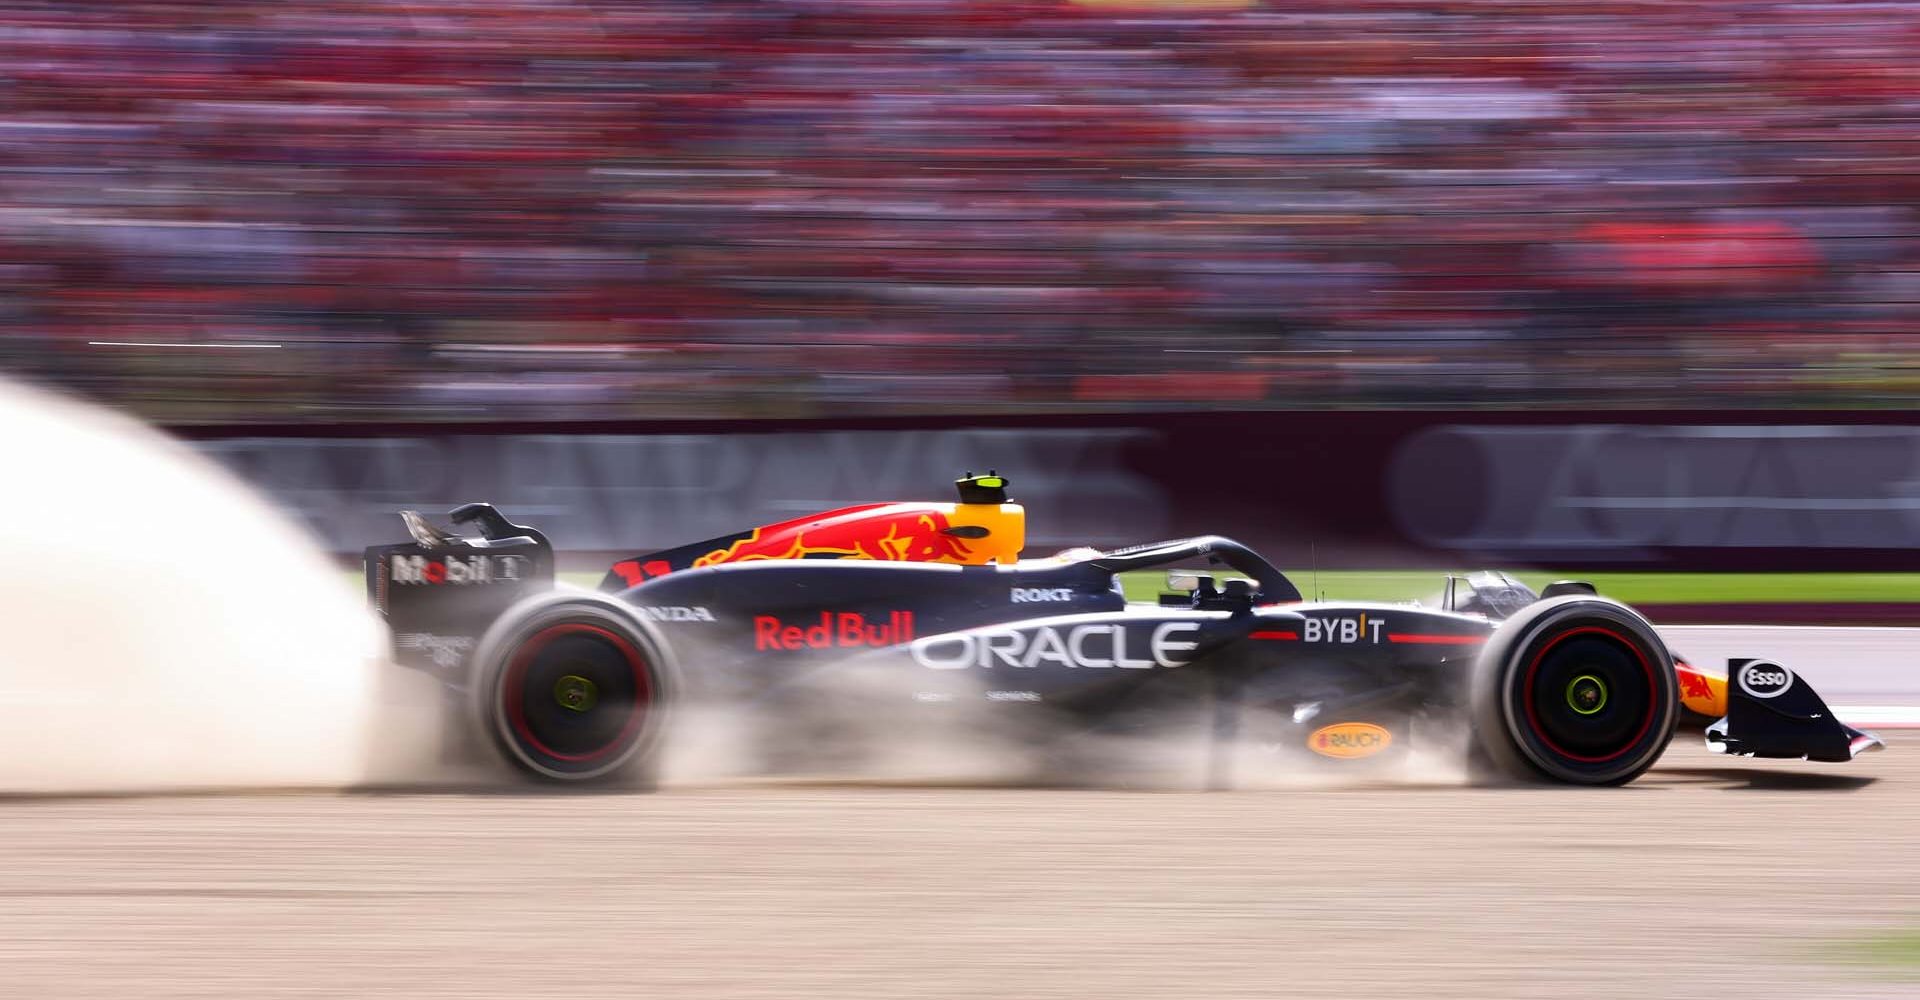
{"x":581,"y":686}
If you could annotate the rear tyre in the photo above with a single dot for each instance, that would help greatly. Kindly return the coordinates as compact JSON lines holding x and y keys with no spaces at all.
{"x":574,"y":689}
{"x":1579,"y":690}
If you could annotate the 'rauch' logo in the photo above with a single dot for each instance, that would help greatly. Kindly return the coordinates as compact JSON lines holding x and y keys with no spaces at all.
{"x":1349,"y":739}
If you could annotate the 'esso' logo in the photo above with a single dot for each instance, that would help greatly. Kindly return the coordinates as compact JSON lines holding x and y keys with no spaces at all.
{"x":1765,"y":679}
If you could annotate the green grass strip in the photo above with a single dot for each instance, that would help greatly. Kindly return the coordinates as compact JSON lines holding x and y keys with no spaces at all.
{"x":1896,"y":953}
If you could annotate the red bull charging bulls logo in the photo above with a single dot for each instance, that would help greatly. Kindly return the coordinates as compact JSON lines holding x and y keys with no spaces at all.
{"x":910,"y":534}
{"x":968,"y":534}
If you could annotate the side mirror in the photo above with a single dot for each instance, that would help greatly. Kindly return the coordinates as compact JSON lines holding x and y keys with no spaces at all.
{"x":1185,"y":588}
{"x":1188,"y":581}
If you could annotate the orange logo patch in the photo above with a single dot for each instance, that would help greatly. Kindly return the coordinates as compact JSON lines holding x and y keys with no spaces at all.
{"x":1349,"y":739}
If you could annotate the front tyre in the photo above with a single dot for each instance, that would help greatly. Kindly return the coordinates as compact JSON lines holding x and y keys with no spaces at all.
{"x":572,"y":688}
{"x":1578,"y":690}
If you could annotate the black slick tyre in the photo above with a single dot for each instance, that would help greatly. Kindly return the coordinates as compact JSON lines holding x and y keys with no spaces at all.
{"x":1578,"y":690}
{"x":574,"y":689}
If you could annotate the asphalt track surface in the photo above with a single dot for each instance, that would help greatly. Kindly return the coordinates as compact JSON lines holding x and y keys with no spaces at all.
{"x":1708,"y":876}
{"x":1730,"y":877}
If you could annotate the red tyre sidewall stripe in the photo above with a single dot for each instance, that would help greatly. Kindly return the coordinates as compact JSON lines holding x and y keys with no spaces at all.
{"x":513,"y":697}
{"x":1533,"y":670}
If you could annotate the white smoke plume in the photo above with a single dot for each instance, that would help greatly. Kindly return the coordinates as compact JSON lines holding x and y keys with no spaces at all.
{"x":165,"y":628}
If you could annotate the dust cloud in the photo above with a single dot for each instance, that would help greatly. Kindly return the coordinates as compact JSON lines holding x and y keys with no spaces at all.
{"x":874,"y":720}
{"x":163,"y":628}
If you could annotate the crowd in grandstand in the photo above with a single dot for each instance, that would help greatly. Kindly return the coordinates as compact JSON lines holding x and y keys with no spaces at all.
{"x":541,"y":209}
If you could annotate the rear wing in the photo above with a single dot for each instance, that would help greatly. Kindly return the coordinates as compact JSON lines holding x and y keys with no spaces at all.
{"x":440,"y":591}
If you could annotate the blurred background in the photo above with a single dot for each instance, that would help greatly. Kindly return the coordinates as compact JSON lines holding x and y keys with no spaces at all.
{"x":379,"y":210}
{"x":1618,"y":284}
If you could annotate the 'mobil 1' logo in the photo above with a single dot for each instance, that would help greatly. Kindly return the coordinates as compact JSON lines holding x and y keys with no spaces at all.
{"x":1765,"y":679}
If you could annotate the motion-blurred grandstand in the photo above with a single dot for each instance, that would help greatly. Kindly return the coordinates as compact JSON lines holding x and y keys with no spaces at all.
{"x":330,"y":210}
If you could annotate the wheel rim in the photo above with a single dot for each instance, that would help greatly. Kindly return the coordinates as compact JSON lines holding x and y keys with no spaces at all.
{"x":1590,"y":695}
{"x":1587,"y":695}
{"x":576,"y":695}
